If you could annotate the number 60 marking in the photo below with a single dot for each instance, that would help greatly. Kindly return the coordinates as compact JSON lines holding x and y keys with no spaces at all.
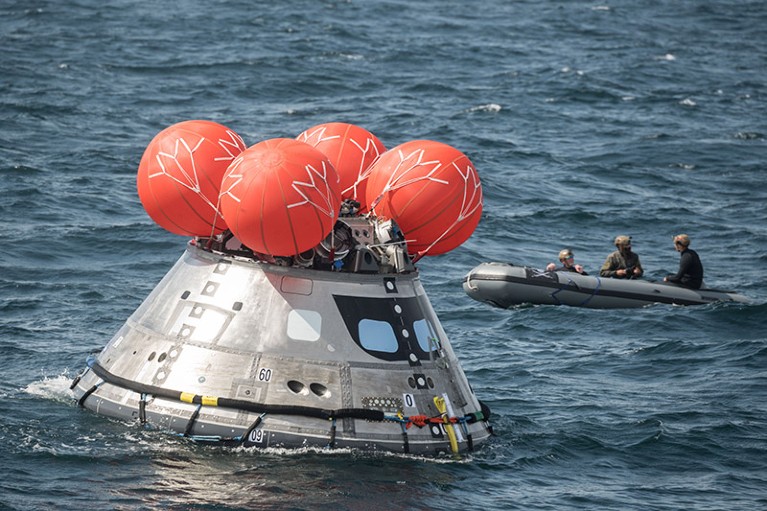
{"x":264,"y":374}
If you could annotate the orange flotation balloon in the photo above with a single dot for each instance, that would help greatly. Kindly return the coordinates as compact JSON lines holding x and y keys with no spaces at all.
{"x":351,"y":149}
{"x":431,"y":190}
{"x":280,"y":197}
{"x":180,"y":173}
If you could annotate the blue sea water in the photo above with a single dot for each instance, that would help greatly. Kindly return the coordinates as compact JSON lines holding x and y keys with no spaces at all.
{"x":585,"y":120}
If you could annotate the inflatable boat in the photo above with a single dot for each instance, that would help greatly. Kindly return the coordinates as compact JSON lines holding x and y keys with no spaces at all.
{"x":505,"y":285}
{"x":338,"y":348}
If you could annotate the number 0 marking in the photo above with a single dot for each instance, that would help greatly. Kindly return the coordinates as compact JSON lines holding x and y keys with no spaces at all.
{"x":409,"y":400}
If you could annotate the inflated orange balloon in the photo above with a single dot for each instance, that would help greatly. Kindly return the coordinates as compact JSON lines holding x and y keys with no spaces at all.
{"x":431,"y":190}
{"x":280,"y":197}
{"x":180,"y":173}
{"x":351,"y":149}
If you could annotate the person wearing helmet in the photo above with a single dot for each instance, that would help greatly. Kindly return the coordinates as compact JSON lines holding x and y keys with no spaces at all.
{"x":690,"y":272}
{"x":568,"y":263}
{"x":623,"y":263}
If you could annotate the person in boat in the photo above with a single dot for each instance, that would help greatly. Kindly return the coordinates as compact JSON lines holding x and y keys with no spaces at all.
{"x":690,"y":272}
{"x":567,"y":259}
{"x":623,"y":263}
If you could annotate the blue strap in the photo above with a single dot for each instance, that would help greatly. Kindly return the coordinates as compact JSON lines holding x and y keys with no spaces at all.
{"x":569,"y":282}
{"x":596,"y":291}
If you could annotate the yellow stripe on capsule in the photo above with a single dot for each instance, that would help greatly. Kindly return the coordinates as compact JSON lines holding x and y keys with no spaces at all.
{"x":187,"y":397}
{"x":209,"y":401}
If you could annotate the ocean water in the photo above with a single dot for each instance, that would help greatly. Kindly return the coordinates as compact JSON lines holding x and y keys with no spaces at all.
{"x":585,"y":120}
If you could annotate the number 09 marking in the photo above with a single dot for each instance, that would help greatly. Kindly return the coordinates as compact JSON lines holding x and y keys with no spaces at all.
{"x":256,"y":436}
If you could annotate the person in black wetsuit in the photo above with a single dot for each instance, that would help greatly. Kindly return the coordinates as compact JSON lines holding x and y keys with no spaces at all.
{"x":690,"y":272}
{"x":568,"y":263}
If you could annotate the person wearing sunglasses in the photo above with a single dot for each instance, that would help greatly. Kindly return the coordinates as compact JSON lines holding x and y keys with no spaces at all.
{"x":623,"y":263}
{"x":567,"y":259}
{"x":690,"y":272}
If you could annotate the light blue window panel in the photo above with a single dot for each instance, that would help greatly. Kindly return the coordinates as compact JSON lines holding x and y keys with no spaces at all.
{"x":377,"y":336}
{"x":424,"y":332}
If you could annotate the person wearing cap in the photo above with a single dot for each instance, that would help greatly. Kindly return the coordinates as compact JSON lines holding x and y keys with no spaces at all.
{"x":623,"y":263}
{"x":690,"y":272}
{"x":568,"y":263}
